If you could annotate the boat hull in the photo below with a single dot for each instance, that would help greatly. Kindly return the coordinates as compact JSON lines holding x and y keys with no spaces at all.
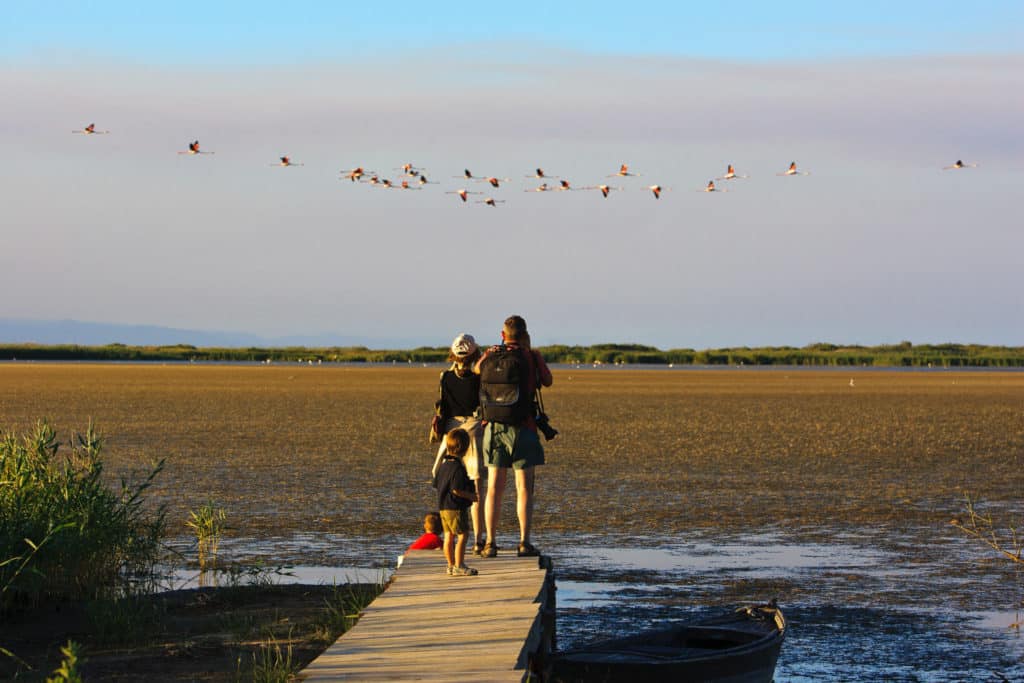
{"x":739,"y":648}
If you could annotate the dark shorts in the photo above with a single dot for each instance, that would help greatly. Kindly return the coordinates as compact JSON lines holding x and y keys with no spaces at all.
{"x":508,"y":446}
{"x":455,"y":522}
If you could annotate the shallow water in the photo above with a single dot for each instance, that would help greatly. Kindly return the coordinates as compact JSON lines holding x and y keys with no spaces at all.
{"x":863,"y":606}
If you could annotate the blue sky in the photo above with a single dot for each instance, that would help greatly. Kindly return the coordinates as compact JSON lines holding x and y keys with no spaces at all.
{"x":877,"y":245}
{"x":273,"y":32}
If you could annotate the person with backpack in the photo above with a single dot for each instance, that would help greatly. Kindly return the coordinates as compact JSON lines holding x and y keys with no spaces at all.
{"x":510,"y":375}
{"x":459,"y":407}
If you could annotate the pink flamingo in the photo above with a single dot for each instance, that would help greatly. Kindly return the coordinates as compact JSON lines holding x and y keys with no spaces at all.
{"x":193,"y":148}
{"x":462,"y":193}
{"x":91,"y":130}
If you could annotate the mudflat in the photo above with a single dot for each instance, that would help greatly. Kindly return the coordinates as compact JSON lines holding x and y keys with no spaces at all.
{"x":343,"y":449}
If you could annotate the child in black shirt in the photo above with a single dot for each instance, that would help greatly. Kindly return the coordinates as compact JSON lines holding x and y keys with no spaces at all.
{"x":454,"y":496}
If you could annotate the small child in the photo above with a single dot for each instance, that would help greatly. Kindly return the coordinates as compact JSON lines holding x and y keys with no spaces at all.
{"x":454,"y":496}
{"x":430,"y":540}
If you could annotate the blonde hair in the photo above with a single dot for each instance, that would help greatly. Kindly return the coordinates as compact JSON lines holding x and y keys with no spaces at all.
{"x":464,"y":362}
{"x":457,"y":442}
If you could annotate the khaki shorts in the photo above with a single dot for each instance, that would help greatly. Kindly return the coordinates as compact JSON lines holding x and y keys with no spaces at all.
{"x":455,"y":522}
{"x":508,"y":446}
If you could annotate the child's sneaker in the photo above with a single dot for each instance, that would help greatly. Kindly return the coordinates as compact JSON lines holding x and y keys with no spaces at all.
{"x":464,"y":571}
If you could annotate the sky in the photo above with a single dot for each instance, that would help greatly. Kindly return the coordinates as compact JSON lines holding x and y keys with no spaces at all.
{"x":877,"y":245}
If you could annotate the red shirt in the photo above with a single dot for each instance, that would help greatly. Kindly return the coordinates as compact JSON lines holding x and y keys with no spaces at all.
{"x":427,"y":541}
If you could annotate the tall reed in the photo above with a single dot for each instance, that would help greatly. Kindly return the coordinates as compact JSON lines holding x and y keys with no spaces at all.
{"x":98,"y":538}
{"x":208,"y":523}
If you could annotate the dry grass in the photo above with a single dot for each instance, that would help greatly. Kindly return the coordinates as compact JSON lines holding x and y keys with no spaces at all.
{"x":344,"y":449}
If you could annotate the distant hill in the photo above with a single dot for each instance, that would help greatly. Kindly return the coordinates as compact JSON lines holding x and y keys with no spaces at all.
{"x":53,"y":332}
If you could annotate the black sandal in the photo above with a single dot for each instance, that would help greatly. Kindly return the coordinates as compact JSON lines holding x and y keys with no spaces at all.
{"x":527,"y":550}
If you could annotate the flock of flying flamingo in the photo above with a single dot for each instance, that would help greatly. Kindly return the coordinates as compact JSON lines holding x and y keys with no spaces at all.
{"x":408,"y":170}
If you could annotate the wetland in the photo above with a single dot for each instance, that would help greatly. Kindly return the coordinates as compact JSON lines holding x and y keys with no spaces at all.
{"x":667,"y":493}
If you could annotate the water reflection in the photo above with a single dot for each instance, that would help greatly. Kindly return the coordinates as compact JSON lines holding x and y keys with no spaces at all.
{"x":176,"y":579}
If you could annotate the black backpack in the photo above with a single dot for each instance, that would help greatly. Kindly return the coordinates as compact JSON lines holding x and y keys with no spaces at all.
{"x":503,"y":375}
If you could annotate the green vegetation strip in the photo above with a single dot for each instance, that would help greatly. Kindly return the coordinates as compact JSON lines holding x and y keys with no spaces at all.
{"x":903,"y":354}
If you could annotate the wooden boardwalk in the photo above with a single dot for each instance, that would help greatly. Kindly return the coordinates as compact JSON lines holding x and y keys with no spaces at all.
{"x":428,"y":626}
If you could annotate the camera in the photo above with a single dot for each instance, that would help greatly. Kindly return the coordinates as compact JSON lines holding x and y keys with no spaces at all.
{"x":545,"y":427}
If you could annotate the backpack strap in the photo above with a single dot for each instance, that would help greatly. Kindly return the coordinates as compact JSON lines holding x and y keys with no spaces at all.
{"x":439,"y":404}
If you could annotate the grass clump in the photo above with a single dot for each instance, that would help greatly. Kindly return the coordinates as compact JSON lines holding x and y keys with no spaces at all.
{"x":272,"y":664}
{"x":208,"y":523}
{"x":343,"y":608}
{"x":98,"y":539}
{"x":68,"y":671}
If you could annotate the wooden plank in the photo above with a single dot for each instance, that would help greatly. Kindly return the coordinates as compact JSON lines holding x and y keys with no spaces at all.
{"x":429,"y":626}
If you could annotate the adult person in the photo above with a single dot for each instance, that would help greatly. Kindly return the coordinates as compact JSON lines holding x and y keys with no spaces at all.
{"x":460,"y":408}
{"x":510,"y":375}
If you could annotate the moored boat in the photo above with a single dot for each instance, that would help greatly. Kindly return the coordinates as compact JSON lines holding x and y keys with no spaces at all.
{"x":741,"y":647}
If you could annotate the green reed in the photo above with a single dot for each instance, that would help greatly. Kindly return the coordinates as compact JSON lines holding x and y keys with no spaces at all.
{"x":272,"y":664}
{"x":343,"y":608}
{"x":208,"y":523}
{"x":68,"y":672}
{"x":98,"y":539}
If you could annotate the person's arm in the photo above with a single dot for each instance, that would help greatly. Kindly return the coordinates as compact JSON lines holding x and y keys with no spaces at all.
{"x":476,"y":365}
{"x":463,"y":487}
{"x":543,"y":372}
{"x":468,"y":495}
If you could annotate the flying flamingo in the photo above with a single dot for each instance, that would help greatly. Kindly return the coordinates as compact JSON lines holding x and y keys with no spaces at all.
{"x":410,"y":170}
{"x":623,"y":172}
{"x":564,"y":186}
{"x":286,"y":161}
{"x":543,"y":187}
{"x":91,"y":130}
{"x":657,"y":190}
{"x":354,"y":174}
{"x":710,"y":187}
{"x":959,"y":164}
{"x":406,"y":186}
{"x":540,"y":174}
{"x":605,"y":189}
{"x":423,"y":180}
{"x":468,"y":175}
{"x":193,"y":148}
{"x":490,"y":201}
{"x":462,"y":193}
{"x":730,"y":174}
{"x":792,"y":170}
{"x":495,"y":182}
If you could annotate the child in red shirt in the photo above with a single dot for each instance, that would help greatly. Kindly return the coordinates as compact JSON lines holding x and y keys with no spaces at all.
{"x":431,"y":540}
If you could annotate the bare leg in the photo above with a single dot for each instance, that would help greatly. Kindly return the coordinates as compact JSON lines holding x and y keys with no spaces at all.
{"x":460,"y":550}
{"x":524,"y":502}
{"x":476,"y":511}
{"x":495,"y":490}
{"x":449,"y":553}
{"x":437,"y":460}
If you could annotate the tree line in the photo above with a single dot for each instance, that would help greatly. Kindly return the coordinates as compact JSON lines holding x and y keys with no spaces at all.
{"x":904,"y":354}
